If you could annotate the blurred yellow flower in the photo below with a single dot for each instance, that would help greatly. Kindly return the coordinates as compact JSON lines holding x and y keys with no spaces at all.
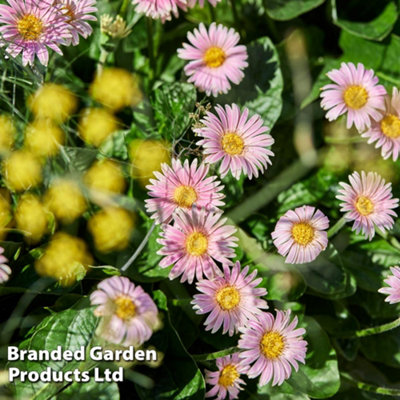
{"x":7,"y":132}
{"x":22,"y":170}
{"x":105,"y":176}
{"x":53,"y":101}
{"x":111,"y":228}
{"x":43,"y":138}
{"x":65,"y":200}
{"x":66,"y":259}
{"x":116,"y":88}
{"x":96,"y":124}
{"x":147,"y":157}
{"x":5,"y":213}
{"x":32,"y":218}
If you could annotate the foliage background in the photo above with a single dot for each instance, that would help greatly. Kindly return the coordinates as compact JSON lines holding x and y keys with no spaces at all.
{"x":291,"y":45}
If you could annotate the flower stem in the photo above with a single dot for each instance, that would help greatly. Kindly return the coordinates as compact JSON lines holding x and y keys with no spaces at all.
{"x":215,"y":355}
{"x":124,"y":7}
{"x":235,"y":14}
{"x":370,"y":388}
{"x":150,"y":44}
{"x":139,"y":249}
{"x":337,"y":227}
{"x":378,"y":329}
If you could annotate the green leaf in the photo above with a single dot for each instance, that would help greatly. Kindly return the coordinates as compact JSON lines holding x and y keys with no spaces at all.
{"x":377,"y":29}
{"x":179,"y":377}
{"x":70,"y":329}
{"x":90,"y":391}
{"x":261,"y":88}
{"x":327,"y":277}
{"x":172,"y":105}
{"x":284,"y":10}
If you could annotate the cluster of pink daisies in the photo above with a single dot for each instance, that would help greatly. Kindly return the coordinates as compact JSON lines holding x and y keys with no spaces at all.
{"x":375,"y":114}
{"x":31,"y":27}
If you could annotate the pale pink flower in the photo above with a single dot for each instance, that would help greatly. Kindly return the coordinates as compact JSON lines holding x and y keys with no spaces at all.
{"x":300,"y":234}
{"x":355,"y":91}
{"x":160,"y":9}
{"x":5,"y":270}
{"x":239,"y":142}
{"x":368,"y":202}
{"x":182,"y":187}
{"x":393,"y":291}
{"x":273,"y":346}
{"x":226,"y":381}
{"x":231,"y":299}
{"x":193,"y":244}
{"x":128,"y":314}
{"x":386,"y":132}
{"x":77,"y":13}
{"x":215,"y":58}
{"x":29,"y":28}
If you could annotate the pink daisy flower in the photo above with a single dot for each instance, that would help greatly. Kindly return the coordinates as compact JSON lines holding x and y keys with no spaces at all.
{"x":300,"y":234}
{"x":226,"y":381}
{"x":182,"y":187}
{"x":393,"y":291}
{"x":77,"y":13}
{"x":386,"y":132}
{"x":368,"y":202}
{"x":231,"y":299}
{"x":128,"y":314}
{"x":215,"y":58}
{"x":240,"y":143}
{"x":193,"y":244}
{"x":273,"y":345}
{"x":5,"y":270}
{"x":355,"y":91}
{"x":29,"y":28}
{"x":160,"y":9}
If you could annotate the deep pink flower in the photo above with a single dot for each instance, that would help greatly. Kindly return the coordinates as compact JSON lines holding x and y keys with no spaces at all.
{"x":5,"y":270}
{"x":386,"y":132}
{"x":226,"y":381}
{"x":231,"y":299}
{"x":29,"y":28}
{"x":239,"y":142}
{"x":182,"y":187}
{"x":393,"y":289}
{"x":273,"y":346}
{"x":368,"y":202}
{"x":128,"y":314}
{"x":193,"y":244}
{"x":355,"y":91}
{"x":215,"y":58}
{"x":300,"y":234}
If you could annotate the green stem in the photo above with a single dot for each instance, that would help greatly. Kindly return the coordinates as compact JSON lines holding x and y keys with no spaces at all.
{"x":377,"y":329}
{"x":337,"y":227}
{"x":150,"y":44}
{"x":370,"y":388}
{"x":215,"y":355}
{"x":212,"y":12}
{"x":124,"y":7}
{"x":235,"y":14}
{"x":270,"y":190}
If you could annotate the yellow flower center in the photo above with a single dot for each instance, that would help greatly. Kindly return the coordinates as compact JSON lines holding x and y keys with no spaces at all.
{"x":214,"y":57}
{"x":232,"y":144}
{"x":272,"y":344}
{"x":228,"y":375}
{"x":364,"y":205}
{"x":196,"y":244}
{"x":355,"y":96}
{"x":228,"y":297}
{"x":126,"y":309}
{"x":30,"y":27}
{"x":302,"y":233}
{"x":185,"y":196}
{"x":390,"y":126}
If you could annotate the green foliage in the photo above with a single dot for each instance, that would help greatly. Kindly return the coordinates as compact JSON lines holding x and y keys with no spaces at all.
{"x":284,"y":10}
